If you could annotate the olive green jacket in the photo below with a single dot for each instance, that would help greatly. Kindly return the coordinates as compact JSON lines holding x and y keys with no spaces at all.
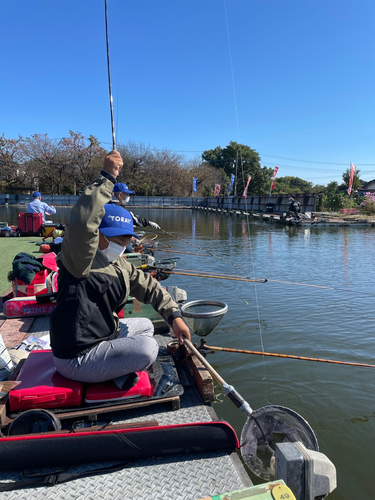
{"x":91,"y":290}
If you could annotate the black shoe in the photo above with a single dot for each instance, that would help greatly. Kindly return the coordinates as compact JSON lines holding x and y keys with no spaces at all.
{"x":129,"y":381}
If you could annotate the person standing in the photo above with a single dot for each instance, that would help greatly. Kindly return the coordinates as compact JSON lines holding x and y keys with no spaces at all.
{"x":38,"y":206}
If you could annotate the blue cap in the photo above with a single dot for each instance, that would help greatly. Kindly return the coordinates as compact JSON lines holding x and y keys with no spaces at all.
{"x":121,"y":187}
{"x":36,"y":194}
{"x":116,"y":221}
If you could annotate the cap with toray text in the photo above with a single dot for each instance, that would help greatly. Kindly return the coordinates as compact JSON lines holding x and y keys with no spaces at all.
{"x":36,"y":194}
{"x":121,"y":187}
{"x":116,"y":222}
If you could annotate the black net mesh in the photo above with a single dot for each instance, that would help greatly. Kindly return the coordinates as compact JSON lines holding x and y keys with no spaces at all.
{"x":267,"y":426}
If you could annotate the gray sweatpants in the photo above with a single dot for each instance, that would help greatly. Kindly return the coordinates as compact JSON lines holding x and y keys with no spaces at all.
{"x":133,"y":350}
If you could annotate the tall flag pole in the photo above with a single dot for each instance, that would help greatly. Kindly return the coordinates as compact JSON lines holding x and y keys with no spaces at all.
{"x":247,"y":185}
{"x":352,"y":170}
{"x":231,"y":183}
{"x":195,"y":184}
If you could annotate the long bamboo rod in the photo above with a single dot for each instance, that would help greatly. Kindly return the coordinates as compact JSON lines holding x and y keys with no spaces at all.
{"x":176,"y":251}
{"x":303,"y":358}
{"x":207,"y":274}
{"x":211,"y":254}
{"x":212,"y":276}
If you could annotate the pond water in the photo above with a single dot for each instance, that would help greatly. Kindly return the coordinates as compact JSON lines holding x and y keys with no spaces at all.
{"x":318,"y":302}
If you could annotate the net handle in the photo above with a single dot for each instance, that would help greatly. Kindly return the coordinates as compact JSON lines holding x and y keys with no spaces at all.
{"x":204,"y":362}
{"x":230,"y":391}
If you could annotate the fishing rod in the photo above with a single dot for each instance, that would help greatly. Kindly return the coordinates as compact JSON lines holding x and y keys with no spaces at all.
{"x":165,"y":267}
{"x":187,"y":253}
{"x":109,"y":79}
{"x":248,"y":278}
{"x":291,"y":356}
{"x":253,"y":280}
{"x":262,"y":280}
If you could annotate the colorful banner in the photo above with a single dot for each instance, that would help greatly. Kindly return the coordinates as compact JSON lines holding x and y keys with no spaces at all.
{"x":217,"y":189}
{"x":247,"y":185}
{"x":352,"y":170}
{"x":195,"y":184}
{"x":273,"y":178}
{"x":231,"y":183}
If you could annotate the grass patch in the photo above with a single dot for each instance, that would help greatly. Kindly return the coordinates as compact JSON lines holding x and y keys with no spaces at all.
{"x":9,"y":248}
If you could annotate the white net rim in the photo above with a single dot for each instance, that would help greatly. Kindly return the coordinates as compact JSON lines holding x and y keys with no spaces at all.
{"x":210,"y":314}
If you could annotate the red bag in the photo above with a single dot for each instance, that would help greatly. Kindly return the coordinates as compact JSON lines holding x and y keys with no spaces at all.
{"x":36,"y":287}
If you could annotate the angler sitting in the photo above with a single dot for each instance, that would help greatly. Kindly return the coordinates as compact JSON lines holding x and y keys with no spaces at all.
{"x":38,"y":206}
{"x":89,"y":342}
{"x":294,"y":208}
{"x":121,"y":196}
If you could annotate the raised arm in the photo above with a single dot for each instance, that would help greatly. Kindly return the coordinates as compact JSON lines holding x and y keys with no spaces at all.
{"x":81,"y":237}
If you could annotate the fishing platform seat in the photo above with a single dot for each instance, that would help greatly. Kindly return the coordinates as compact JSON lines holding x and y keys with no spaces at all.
{"x":42,"y":386}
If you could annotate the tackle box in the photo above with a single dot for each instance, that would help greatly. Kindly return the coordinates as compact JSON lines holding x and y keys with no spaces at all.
{"x":42,"y":386}
{"x":30,"y":224}
{"x":48,"y":229}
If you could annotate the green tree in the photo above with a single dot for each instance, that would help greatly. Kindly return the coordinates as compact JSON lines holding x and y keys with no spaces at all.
{"x":288,"y":184}
{"x":334,"y":197}
{"x":357,"y":182}
{"x":242,"y":161}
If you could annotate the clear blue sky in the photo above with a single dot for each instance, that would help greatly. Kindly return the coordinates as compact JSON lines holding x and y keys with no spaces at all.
{"x":293,"y":79}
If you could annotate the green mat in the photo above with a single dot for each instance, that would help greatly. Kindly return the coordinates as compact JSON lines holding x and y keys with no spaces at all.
{"x":9,"y":247}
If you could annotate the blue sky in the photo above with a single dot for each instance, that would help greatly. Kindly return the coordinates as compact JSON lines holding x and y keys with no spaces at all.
{"x":293,"y":79}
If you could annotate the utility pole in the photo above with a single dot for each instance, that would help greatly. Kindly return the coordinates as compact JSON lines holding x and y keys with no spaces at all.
{"x":235,"y":179}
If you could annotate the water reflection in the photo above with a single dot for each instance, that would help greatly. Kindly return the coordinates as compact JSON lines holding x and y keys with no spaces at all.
{"x":333,"y":323}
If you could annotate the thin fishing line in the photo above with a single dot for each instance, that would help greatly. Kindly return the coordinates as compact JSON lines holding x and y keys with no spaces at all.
{"x":203,"y":250}
{"x":247,"y":217}
{"x":118,"y":100}
{"x":231,"y":67}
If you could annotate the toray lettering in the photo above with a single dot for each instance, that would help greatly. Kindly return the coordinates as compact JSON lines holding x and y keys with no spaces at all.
{"x":117,"y":218}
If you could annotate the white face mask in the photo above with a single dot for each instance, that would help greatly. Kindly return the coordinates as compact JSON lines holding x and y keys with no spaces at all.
{"x":126,"y":200}
{"x":113,"y":251}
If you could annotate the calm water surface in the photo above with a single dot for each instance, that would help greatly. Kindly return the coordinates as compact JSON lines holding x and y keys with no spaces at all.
{"x":332,"y":323}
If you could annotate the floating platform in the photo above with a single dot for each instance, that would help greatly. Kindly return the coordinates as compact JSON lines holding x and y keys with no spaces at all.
{"x":189,"y":476}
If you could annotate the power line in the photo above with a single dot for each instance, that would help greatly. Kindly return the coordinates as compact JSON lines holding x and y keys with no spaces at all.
{"x":262,"y":156}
